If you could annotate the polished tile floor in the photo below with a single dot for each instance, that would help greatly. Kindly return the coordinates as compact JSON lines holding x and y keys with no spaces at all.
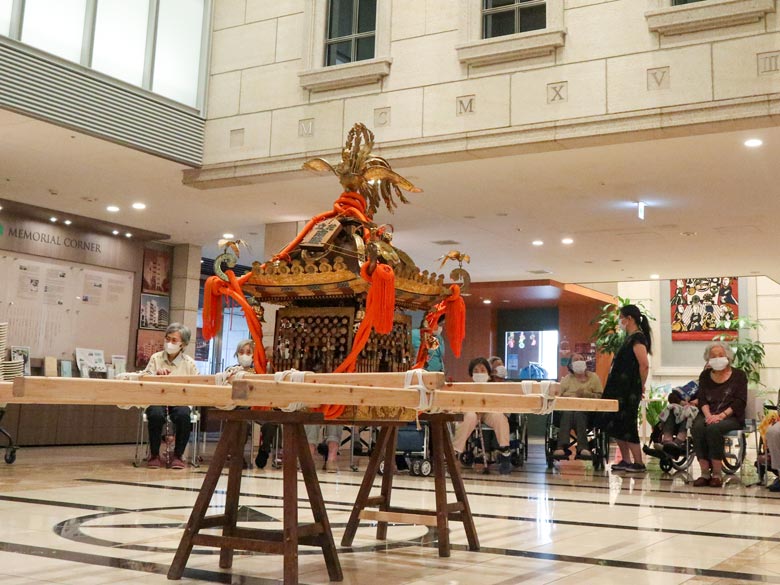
{"x":86,"y":516}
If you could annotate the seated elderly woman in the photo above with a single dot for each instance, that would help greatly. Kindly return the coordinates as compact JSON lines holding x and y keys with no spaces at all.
{"x":722,"y":398}
{"x":582,"y":384}
{"x":170,"y":361}
{"x":480,"y":371}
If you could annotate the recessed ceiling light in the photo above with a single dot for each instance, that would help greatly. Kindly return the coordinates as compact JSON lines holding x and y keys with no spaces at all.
{"x":112,"y":208}
{"x":655,"y":276}
{"x":115,"y":232}
{"x":754,"y":142}
{"x":53,"y":219}
{"x":567,"y":241}
{"x":68,"y":222}
{"x":139,"y":205}
{"x":487,"y":301}
{"x":128,"y":235}
{"x":505,"y":300}
{"x":228,"y":236}
{"x":1,"y":208}
{"x":538,"y":243}
{"x":640,"y":209}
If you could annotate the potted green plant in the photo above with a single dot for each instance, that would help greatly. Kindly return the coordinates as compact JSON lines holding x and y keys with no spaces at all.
{"x":608,"y":336}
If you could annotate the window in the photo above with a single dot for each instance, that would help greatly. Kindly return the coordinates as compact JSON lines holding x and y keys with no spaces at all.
{"x":120,"y":39}
{"x":507,"y":17}
{"x":351,"y":31}
{"x":5,"y":16}
{"x":55,"y":26}
{"x":177,"y":51}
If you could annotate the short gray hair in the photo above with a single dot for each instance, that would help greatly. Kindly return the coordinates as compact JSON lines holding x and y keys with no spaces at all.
{"x":726,"y":347}
{"x":243,"y":343}
{"x":182,"y":330}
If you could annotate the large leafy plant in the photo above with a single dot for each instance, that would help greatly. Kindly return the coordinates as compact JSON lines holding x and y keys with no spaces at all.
{"x":608,"y":336}
{"x":748,"y":352}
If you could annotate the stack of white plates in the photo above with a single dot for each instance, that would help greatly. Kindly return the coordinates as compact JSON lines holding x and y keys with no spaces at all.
{"x":12,"y":369}
{"x":3,"y":340}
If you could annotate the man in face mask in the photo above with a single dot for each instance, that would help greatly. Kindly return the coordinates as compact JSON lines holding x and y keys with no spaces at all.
{"x":170,"y":361}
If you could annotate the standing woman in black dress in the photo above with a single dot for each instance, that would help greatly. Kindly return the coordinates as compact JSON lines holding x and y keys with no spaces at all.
{"x":626,"y":383}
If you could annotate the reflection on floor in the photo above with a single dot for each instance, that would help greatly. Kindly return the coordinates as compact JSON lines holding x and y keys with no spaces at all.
{"x":85,"y":516}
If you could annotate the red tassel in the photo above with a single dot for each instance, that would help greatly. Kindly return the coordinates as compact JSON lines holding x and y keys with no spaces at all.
{"x":456,"y":320}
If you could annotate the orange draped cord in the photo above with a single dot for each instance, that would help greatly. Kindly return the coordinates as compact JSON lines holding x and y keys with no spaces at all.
{"x":455,"y":310}
{"x":348,"y":204}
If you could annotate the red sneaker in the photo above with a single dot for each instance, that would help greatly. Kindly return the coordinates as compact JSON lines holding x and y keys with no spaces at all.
{"x":177,"y":463}
{"x":154,"y":462}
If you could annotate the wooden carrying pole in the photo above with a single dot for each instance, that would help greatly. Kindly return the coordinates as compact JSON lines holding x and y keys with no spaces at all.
{"x":262,"y":392}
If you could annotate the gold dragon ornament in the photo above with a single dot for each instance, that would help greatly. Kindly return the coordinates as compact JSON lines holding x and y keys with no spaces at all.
{"x":361,"y":172}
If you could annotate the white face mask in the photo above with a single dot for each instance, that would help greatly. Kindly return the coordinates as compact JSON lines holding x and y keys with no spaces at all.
{"x":500,"y":371}
{"x":480,"y":378}
{"x":579,"y":367}
{"x":172,"y":348}
{"x":719,"y":363}
{"x":245,"y":360}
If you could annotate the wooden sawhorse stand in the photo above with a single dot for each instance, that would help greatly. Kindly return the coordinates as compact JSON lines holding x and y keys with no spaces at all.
{"x":441,"y":452}
{"x":230,"y":451}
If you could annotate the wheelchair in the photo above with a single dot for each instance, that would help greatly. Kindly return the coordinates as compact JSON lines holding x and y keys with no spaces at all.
{"x":598,"y":442}
{"x":482,"y":446}
{"x":667,"y":462}
{"x":10,"y":450}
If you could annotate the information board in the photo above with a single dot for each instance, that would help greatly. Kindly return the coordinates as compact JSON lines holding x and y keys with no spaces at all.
{"x":54,"y":306}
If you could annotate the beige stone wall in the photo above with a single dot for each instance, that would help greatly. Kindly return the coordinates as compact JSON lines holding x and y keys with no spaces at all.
{"x":623,"y":65}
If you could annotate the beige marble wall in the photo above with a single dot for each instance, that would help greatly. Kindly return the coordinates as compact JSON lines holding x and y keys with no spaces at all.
{"x":184,"y":289}
{"x":611,"y":65}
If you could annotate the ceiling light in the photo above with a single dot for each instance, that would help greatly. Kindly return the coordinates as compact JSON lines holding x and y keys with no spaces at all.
{"x":139,"y":206}
{"x":68,"y":222}
{"x":1,"y":208}
{"x":112,"y":208}
{"x":538,"y":243}
{"x":567,"y":241}
{"x":640,"y":209}
{"x":128,"y":235}
{"x":655,"y":276}
{"x":754,"y":142}
{"x":228,"y":236}
{"x":115,"y":232}
{"x":53,"y":219}
{"x":487,"y":301}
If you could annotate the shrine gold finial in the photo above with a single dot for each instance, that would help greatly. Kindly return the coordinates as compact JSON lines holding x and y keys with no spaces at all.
{"x":360,"y":172}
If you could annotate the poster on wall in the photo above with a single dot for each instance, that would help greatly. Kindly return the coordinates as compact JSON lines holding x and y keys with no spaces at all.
{"x":201,"y":346}
{"x":155,"y":311}
{"x":699,"y":307}
{"x":149,"y":342}
{"x":157,"y":268}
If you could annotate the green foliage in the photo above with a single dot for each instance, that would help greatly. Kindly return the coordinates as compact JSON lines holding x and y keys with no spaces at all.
{"x":657,"y":401}
{"x":608,"y":336}
{"x":748,"y":352}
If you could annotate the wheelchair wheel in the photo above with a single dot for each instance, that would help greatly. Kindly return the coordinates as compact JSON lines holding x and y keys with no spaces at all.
{"x":426,"y":468}
{"x":467,"y":458}
{"x":734,"y":453}
{"x":685,"y":460}
{"x":516,"y":459}
{"x":665,"y":465}
{"x":10,"y":455}
{"x":414,"y":469}
{"x":550,"y":441}
{"x":600,"y":450}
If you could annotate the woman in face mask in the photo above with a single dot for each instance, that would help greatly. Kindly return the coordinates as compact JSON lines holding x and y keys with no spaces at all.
{"x":626,"y":384}
{"x":722,"y":398}
{"x":579,"y":383}
{"x":498,"y":369}
{"x":480,"y":372}
{"x":170,"y":361}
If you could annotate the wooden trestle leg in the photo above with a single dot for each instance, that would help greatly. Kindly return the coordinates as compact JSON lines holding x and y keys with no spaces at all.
{"x":230,"y":451}
{"x":443,"y":460}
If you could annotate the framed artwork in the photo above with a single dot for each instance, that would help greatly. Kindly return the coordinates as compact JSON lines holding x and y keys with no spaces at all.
{"x":699,"y":306}
{"x":149,"y":342}
{"x":155,"y":312}
{"x":157,"y":270}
